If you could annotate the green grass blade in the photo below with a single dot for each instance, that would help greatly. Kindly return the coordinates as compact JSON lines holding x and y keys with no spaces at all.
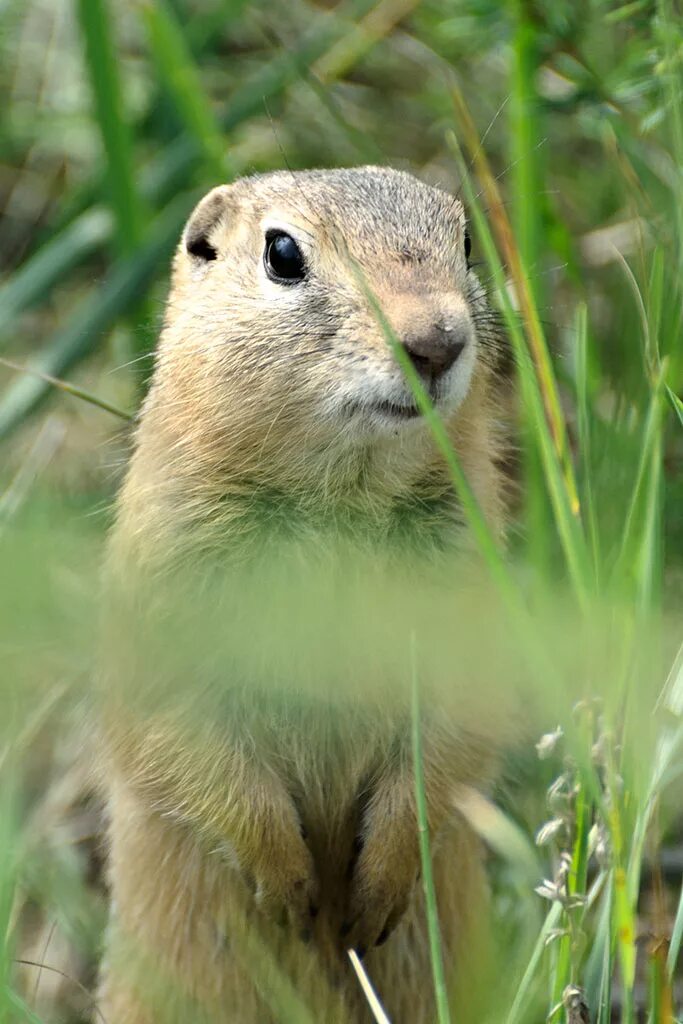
{"x":562,"y":493}
{"x":9,"y":833}
{"x":583,"y":417}
{"x":600,"y":967}
{"x":435,"y":950}
{"x":100,"y":52}
{"x":666,"y":757}
{"x":526,"y":190}
{"x":178,"y":72}
{"x":639,"y":551}
{"x":623,"y":916}
{"x":519,"y":273}
{"x":525,"y":139}
{"x":676,"y":938}
{"x":488,"y":543}
{"x":530,"y":974}
{"x":676,"y":403}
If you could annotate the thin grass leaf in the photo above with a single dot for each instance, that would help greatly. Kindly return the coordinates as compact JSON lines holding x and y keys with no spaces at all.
{"x":600,"y":968}
{"x":561,"y":972}
{"x":676,"y":938}
{"x":649,"y":339}
{"x":488,"y":543}
{"x":70,"y":389}
{"x":525,"y":141}
{"x":376,"y":1008}
{"x":638,"y":550}
{"x":667,"y":761}
{"x":647,"y":564}
{"x":666,"y":756}
{"x":177,"y":70}
{"x":585,"y":440}
{"x":568,"y":527}
{"x":676,"y":403}
{"x":122,"y":290}
{"x":102,"y":65}
{"x":623,"y":919}
{"x":435,"y":949}
{"x":655,"y":295}
{"x":530,"y":974}
{"x":519,"y":273}
{"x":9,"y":830}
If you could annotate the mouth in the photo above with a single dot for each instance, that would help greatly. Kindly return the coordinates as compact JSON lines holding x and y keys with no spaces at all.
{"x":394,"y":410}
{"x":384,"y":410}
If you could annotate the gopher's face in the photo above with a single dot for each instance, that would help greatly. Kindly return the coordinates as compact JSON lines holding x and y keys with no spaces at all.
{"x":276,"y":281}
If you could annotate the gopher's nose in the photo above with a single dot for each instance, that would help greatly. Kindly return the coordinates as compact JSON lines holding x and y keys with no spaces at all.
{"x":435,"y":351}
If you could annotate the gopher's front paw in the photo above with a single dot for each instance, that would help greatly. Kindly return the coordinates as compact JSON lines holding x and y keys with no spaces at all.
{"x":282,"y":877}
{"x":273,"y":857}
{"x":286,"y":888}
{"x":383,"y":881}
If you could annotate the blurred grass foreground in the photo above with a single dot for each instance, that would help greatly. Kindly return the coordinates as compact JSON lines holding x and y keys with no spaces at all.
{"x":560,"y":123}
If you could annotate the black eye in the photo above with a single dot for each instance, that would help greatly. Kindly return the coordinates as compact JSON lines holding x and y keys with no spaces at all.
{"x":283,"y":259}
{"x":468,"y":246}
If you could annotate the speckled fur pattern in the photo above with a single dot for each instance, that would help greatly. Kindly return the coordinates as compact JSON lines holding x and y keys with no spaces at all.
{"x":247,"y":852}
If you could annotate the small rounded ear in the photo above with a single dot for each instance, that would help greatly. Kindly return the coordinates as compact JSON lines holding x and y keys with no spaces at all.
{"x":205,"y":218}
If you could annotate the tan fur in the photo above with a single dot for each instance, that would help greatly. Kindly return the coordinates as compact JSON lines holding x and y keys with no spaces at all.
{"x":228,"y":830}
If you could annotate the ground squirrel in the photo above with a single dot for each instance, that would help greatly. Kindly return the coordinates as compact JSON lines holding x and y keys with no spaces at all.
{"x":256,"y":833}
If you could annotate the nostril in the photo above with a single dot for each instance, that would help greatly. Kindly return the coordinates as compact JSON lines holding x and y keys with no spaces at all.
{"x":421,"y":363}
{"x":433,"y":353}
{"x":455,"y":349}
